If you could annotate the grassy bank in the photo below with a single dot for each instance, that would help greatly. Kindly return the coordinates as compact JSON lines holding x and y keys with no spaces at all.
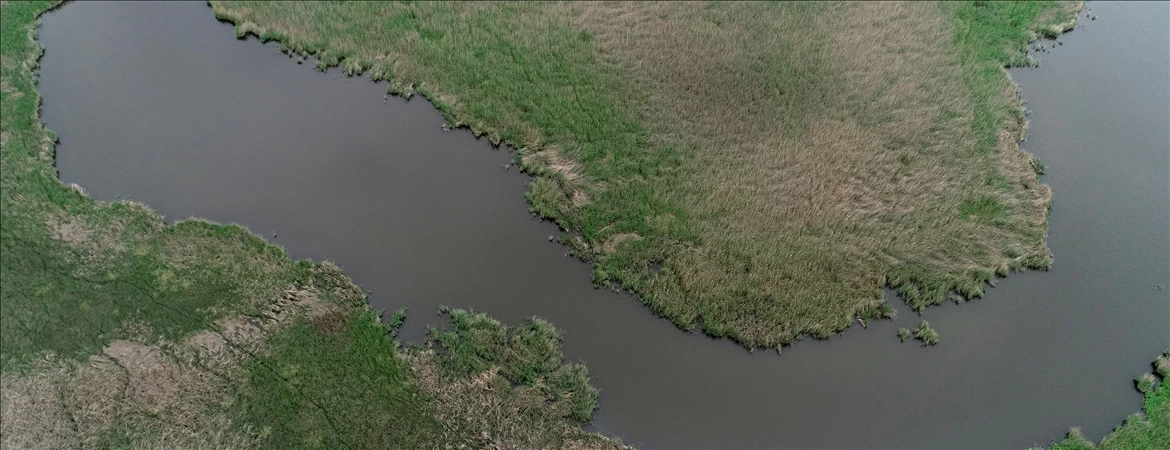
{"x":760,"y":171}
{"x":1147,"y":430}
{"x":117,"y":330}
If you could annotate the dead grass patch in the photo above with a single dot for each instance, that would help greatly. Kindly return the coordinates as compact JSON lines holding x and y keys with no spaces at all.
{"x":7,"y":63}
{"x":131,"y":388}
{"x":552,"y":161}
{"x":611,"y":243}
{"x":330,"y":320}
{"x":92,"y":245}
{"x":70,"y":231}
{"x":105,"y":243}
{"x":157,"y":384}
{"x":30,"y":412}
{"x":7,"y":88}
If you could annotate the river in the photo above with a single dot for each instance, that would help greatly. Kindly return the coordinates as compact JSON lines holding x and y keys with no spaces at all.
{"x":160,"y":103}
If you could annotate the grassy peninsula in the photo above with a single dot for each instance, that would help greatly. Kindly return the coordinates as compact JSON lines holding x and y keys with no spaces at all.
{"x":759,"y":171}
{"x":119,"y":331}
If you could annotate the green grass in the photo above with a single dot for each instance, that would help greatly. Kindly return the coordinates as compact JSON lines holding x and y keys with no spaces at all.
{"x":528,"y":355}
{"x":760,"y":171}
{"x":349,"y":387}
{"x":903,"y":334}
{"x":984,"y":30}
{"x":985,"y":209}
{"x":120,"y":331}
{"x":926,"y":334}
{"x":342,"y":390}
{"x":1148,"y":430}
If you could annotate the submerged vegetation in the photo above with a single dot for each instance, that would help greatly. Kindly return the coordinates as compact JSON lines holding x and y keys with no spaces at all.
{"x":1147,"y":430}
{"x":119,"y":330}
{"x":760,"y":171}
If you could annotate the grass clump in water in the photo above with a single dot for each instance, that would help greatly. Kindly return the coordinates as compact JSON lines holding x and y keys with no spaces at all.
{"x":779,"y":163}
{"x":903,"y":334}
{"x":120,"y":331}
{"x":926,"y":334}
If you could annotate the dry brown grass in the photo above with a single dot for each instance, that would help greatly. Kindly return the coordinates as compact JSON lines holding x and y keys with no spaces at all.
{"x":487,"y":407}
{"x":70,"y":231}
{"x":131,"y":389}
{"x":810,"y":196}
{"x":30,"y":413}
{"x":611,"y":244}
{"x":93,"y":247}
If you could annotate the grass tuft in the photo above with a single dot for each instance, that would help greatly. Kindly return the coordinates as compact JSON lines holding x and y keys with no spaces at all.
{"x":926,"y":334}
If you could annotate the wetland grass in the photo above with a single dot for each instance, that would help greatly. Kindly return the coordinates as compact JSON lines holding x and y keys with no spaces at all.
{"x":777,"y":164}
{"x":926,"y":334}
{"x":120,"y":331}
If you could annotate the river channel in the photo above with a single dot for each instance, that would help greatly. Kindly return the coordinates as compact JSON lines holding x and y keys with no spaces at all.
{"x":161,"y":104}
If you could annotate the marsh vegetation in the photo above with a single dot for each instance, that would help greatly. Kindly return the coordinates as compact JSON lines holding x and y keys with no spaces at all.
{"x":214,"y":338}
{"x":760,"y":171}
{"x":925,"y":334}
{"x":121,"y":331}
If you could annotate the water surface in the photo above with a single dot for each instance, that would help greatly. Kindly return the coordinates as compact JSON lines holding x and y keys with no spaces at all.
{"x":159,"y":103}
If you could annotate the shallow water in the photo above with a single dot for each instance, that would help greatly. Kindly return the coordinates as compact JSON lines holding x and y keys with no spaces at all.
{"x":159,"y":103}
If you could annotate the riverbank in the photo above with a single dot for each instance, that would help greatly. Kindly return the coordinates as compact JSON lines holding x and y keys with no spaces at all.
{"x":122,"y":331}
{"x":1146,"y":430}
{"x":861,"y":146}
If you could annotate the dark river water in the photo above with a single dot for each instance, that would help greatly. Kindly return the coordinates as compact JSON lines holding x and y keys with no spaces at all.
{"x":161,"y":104}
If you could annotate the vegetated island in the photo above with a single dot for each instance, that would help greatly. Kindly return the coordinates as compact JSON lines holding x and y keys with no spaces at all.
{"x":759,"y":171}
{"x":119,"y":331}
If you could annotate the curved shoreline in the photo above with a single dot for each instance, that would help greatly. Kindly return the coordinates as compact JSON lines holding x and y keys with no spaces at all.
{"x":795,"y":358}
{"x":218,"y":339}
{"x":559,"y":179}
